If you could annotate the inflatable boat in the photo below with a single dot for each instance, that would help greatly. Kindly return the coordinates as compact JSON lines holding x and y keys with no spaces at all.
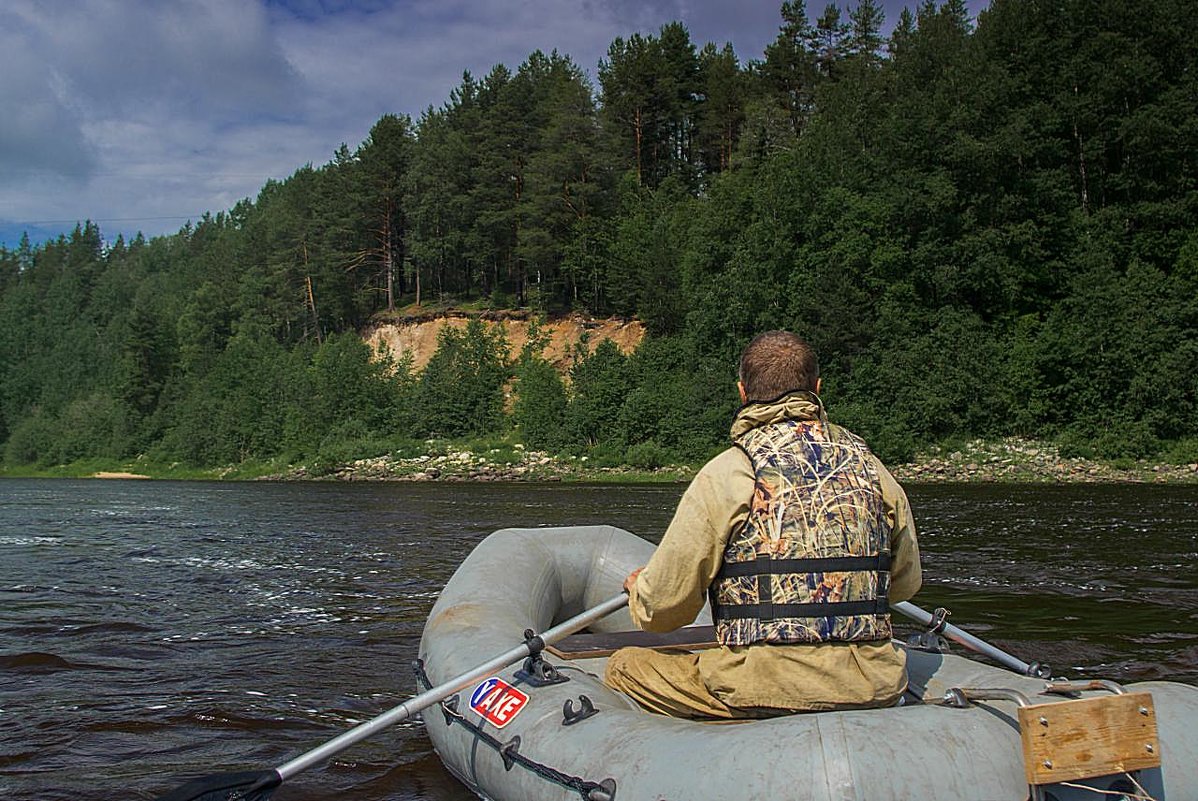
{"x":547,"y":728}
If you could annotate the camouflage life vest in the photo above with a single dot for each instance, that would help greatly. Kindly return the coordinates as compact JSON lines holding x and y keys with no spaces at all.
{"x":812,"y":563}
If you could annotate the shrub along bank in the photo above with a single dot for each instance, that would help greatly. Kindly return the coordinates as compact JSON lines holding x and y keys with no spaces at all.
{"x":478,"y":411}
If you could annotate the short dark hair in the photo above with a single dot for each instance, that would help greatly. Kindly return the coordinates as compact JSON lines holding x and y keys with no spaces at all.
{"x":775,"y":363}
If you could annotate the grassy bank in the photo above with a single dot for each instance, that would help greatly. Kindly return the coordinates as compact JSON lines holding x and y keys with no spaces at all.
{"x":501,"y":459}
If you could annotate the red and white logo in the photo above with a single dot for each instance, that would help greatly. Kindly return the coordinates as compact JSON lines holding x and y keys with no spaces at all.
{"x":497,"y":701}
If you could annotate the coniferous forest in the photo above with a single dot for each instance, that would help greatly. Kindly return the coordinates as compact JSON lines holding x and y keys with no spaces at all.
{"x":986,"y":227}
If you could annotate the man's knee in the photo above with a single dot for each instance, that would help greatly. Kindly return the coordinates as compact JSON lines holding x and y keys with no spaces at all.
{"x":623,"y":664}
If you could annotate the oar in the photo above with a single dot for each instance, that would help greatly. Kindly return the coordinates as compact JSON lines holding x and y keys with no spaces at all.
{"x":973,"y":643}
{"x":258,"y":785}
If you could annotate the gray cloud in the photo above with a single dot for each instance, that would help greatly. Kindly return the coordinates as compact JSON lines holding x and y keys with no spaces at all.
{"x":199,"y":58}
{"x":412,"y":54}
{"x":176,"y":108}
{"x":633,"y":15}
{"x":142,"y":109}
{"x":148,"y":105}
{"x":40,"y":132}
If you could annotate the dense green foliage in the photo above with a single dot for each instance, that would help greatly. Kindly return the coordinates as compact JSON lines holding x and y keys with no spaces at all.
{"x":985,"y":231}
{"x":461,"y":389}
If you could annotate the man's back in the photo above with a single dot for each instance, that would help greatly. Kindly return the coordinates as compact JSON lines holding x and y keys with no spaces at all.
{"x":802,"y":537}
{"x":670,"y":592}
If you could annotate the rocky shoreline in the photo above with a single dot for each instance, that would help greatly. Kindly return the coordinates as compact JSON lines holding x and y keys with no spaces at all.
{"x":1023,"y":461}
{"x":1005,"y":461}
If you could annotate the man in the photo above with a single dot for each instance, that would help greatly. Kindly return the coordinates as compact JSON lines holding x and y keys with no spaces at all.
{"x":800,"y":536}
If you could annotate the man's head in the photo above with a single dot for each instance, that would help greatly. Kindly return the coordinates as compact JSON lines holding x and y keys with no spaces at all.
{"x":775,"y":363}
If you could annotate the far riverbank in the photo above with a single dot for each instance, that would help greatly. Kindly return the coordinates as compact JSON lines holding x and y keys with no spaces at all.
{"x":1005,"y":461}
{"x":1013,"y":461}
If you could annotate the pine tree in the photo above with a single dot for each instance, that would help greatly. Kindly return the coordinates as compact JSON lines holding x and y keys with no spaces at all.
{"x":385,"y":158}
{"x":789,"y":70}
{"x":865,"y":31}
{"x":722,"y":111}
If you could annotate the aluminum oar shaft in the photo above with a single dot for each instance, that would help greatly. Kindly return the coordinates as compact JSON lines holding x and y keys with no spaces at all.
{"x":969,"y":641}
{"x":442,"y":691}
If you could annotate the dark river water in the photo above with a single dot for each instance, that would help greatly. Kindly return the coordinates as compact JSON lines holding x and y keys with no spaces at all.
{"x":153,"y":631}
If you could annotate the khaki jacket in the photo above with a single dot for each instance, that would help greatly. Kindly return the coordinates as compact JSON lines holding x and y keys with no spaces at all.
{"x":672,"y":589}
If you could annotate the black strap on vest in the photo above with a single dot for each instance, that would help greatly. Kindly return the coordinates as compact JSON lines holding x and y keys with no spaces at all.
{"x":773,"y":611}
{"x":764,"y":565}
{"x":764,"y":568}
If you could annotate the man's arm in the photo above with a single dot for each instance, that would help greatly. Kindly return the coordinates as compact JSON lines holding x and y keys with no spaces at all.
{"x":906,"y":575}
{"x":671,"y":589}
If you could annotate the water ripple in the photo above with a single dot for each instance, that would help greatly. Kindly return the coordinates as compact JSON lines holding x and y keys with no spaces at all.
{"x":155,"y":630}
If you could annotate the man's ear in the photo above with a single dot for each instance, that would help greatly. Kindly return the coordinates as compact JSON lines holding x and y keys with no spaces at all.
{"x":819,"y":385}
{"x":740,"y":387}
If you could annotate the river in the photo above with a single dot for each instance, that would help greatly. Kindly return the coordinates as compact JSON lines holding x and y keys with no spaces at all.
{"x":153,"y":631}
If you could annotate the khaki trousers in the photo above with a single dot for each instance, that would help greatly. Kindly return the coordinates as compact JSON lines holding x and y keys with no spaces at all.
{"x":668,"y":683}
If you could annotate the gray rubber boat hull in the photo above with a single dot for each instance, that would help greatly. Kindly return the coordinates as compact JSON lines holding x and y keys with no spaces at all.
{"x":517,"y":579}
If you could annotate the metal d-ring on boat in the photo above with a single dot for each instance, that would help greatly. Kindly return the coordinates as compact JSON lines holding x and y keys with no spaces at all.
{"x":509,"y":740}
{"x":962,"y":697}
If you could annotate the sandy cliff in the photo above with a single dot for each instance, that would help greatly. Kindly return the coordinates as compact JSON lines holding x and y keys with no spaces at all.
{"x":418,"y":336}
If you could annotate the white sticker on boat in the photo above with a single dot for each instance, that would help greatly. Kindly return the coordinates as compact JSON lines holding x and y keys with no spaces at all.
{"x":497,"y":701}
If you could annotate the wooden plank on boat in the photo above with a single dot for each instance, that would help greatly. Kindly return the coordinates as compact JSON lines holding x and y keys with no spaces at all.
{"x":590,"y":646}
{"x":1089,"y":737}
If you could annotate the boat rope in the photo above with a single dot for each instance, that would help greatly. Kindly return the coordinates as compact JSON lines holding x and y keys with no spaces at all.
{"x":510,"y":754}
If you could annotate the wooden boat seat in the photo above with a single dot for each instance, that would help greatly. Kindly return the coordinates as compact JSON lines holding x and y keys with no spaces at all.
{"x":1089,"y":737}
{"x":592,"y":646}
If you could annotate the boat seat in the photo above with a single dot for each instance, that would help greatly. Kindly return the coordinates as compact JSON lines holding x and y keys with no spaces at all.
{"x":1085,"y":738}
{"x":593,"y":646}
{"x":688,"y":638}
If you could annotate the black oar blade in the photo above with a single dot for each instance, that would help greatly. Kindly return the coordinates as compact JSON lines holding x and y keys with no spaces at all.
{"x":251,"y":785}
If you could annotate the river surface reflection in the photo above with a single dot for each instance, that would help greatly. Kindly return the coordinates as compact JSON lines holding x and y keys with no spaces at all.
{"x":151,"y":631}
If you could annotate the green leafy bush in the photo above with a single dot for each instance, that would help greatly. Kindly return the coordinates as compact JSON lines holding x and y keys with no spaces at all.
{"x":1122,"y":439}
{"x":678,"y":399}
{"x":605,"y":454}
{"x":539,"y":411}
{"x":647,"y":456}
{"x":1182,"y":452}
{"x":600,"y":384}
{"x":461,"y":389}
{"x":889,"y":439}
{"x":31,"y":442}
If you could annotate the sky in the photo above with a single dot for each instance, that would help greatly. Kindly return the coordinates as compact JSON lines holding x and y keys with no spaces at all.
{"x":142,"y":114}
